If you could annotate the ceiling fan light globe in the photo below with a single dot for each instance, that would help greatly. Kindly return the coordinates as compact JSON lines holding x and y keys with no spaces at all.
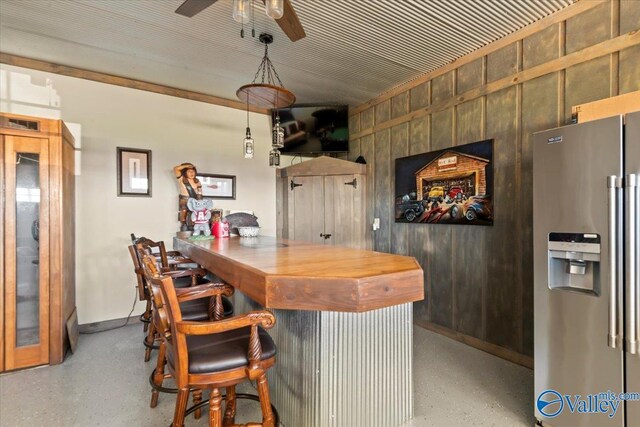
{"x":242,"y":11}
{"x":274,"y":8}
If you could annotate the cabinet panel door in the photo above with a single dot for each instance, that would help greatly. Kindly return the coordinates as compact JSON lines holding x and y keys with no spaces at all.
{"x":26,"y":252}
{"x":307,"y":200}
{"x":2,"y":179}
{"x":343,"y":212}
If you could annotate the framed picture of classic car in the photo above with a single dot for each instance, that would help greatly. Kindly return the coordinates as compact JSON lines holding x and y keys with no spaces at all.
{"x":449,"y":186}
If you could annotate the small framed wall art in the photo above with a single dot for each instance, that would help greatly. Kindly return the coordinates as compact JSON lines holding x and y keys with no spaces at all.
{"x":134,"y":172}
{"x":218,"y":186}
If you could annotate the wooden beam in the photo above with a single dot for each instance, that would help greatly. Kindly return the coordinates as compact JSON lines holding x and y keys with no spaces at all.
{"x":621,"y":104}
{"x":562,"y":15}
{"x":64,"y":70}
{"x":614,"y":61}
{"x":601,"y":49}
{"x":562,"y":78}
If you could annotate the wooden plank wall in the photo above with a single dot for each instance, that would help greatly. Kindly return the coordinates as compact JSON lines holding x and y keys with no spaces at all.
{"x":479,"y":280}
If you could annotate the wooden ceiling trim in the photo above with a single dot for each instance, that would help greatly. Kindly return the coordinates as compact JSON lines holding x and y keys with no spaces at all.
{"x":64,"y":70}
{"x":562,"y":15}
{"x":601,"y":49}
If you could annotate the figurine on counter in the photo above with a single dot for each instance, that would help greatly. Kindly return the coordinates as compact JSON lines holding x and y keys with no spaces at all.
{"x":190,"y":187}
{"x":200,"y":215}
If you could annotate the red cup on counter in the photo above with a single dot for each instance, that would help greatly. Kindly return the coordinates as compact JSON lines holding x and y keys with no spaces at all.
{"x":220,"y":229}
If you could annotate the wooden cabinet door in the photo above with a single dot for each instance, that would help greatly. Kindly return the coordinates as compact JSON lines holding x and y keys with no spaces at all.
{"x":343,"y":210}
{"x":26,"y":251}
{"x":306,"y":208}
{"x":2,"y":226}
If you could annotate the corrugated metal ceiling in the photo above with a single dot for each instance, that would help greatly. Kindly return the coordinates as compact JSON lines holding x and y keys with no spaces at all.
{"x":354,"y":49}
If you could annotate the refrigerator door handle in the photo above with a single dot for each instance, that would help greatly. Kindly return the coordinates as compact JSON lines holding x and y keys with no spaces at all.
{"x":615,"y":210}
{"x":631,"y":279}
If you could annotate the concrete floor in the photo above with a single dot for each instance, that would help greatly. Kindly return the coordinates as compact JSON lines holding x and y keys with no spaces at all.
{"x":105,"y":384}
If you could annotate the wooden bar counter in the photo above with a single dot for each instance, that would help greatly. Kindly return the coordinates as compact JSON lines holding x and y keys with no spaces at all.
{"x":343,"y":325}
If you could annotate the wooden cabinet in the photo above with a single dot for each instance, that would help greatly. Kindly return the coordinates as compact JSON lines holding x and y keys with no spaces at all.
{"x":323,"y":201}
{"x":37,"y":257}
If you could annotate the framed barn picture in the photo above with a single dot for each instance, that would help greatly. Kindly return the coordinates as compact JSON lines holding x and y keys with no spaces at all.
{"x":449,"y":186}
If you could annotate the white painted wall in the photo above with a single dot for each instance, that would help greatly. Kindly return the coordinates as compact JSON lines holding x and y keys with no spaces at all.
{"x":176,"y":130}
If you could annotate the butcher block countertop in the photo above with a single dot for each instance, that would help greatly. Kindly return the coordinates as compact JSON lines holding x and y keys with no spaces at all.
{"x":294,"y":275}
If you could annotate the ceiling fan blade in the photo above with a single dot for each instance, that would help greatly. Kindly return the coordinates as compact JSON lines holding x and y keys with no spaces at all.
{"x":290,"y":24}
{"x":193,"y":7}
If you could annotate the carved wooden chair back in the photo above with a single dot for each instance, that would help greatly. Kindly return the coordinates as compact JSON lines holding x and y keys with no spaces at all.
{"x":160,"y":313}
{"x":168,"y":260}
{"x":137,"y":267}
{"x":157,"y":249}
{"x":143,"y":295}
{"x":176,"y":343}
{"x":147,"y":265}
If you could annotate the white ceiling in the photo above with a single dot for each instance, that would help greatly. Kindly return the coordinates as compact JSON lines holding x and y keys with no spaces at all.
{"x":354,"y":49}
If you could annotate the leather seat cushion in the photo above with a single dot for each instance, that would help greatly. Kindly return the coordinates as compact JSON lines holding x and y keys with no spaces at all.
{"x":179,"y":265}
{"x":223,"y":351}
{"x":185,"y":282}
{"x":198,"y":309}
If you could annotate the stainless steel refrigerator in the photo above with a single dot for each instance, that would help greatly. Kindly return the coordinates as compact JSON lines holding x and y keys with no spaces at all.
{"x":586,"y":286}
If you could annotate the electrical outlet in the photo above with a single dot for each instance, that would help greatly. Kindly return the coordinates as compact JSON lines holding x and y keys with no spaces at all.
{"x":376,"y":224}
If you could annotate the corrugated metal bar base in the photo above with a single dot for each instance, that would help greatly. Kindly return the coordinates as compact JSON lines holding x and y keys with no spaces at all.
{"x":341,"y":369}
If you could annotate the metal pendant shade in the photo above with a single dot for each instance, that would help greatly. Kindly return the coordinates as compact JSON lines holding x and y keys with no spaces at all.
{"x":269,"y":92}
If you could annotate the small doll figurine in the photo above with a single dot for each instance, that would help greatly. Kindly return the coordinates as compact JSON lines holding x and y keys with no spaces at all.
{"x":200,"y":215}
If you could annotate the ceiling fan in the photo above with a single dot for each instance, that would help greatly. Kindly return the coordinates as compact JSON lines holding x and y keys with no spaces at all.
{"x":289,"y":22}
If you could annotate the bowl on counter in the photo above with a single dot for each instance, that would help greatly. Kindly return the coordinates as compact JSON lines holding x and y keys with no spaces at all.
{"x":248,"y":231}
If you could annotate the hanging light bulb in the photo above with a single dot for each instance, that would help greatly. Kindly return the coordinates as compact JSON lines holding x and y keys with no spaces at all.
{"x":274,"y":8}
{"x":277,"y":136}
{"x":247,"y":145}
{"x":274,"y":158}
{"x":242,"y":11}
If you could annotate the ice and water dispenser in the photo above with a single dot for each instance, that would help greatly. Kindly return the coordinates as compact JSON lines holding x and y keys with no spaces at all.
{"x":574,"y":262}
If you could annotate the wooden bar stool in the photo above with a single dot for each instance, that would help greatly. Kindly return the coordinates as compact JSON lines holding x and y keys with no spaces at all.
{"x":193,"y":310}
{"x":184,"y":296}
{"x":169,"y":260}
{"x":211,"y":355}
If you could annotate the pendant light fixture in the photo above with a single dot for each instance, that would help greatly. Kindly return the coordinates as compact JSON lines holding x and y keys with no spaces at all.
{"x":277,"y":137}
{"x":274,"y":8}
{"x":274,"y":158}
{"x":241,"y":11}
{"x":247,"y":145}
{"x":269,"y":92}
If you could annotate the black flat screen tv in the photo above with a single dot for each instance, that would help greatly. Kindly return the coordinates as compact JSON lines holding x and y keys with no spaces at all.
{"x":314,"y":129}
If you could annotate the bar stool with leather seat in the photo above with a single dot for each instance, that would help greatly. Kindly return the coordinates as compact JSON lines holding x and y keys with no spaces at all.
{"x":212,"y":355}
{"x":170,"y":260}
{"x":196,"y":310}
{"x":185,"y":297}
